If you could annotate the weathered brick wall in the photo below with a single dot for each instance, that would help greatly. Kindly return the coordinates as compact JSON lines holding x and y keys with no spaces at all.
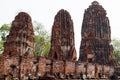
{"x":58,"y":66}
{"x":44,"y":66}
{"x":28,"y":67}
{"x":11,"y":66}
{"x":39,"y":67}
{"x":67,"y":69}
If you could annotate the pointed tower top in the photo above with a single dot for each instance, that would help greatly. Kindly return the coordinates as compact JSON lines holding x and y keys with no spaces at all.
{"x":62,"y":13}
{"x":64,"y":19}
{"x":95,"y":3}
{"x":23,"y":16}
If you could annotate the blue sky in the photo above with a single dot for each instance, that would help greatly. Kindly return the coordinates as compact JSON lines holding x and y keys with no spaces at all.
{"x":44,"y":12}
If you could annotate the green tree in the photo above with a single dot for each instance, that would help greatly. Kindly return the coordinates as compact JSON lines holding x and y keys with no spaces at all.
{"x":42,"y":40}
{"x":4,"y":30}
{"x":116,"y":46}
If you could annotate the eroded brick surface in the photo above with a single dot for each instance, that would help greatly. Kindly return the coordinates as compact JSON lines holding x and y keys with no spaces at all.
{"x":18,"y":63}
{"x":96,"y":37}
{"x":62,"y":38}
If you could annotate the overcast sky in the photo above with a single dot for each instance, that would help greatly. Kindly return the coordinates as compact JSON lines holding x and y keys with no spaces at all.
{"x":44,"y":12}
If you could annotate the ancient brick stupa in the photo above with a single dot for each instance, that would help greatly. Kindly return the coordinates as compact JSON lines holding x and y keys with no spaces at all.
{"x":96,"y":36}
{"x":18,"y":63}
{"x":19,"y":45}
{"x":21,"y":36}
{"x":62,"y":39}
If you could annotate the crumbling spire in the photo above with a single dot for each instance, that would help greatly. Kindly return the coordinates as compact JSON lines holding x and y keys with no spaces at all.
{"x":19,"y":44}
{"x":21,"y":36}
{"x":62,"y":39}
{"x":96,"y":36}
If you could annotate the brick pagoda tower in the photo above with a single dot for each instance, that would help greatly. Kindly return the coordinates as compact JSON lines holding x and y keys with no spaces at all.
{"x":19,"y":44}
{"x":96,"y":36}
{"x":62,"y":39}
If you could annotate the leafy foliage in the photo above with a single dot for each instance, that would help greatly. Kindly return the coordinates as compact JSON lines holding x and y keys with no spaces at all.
{"x":4,"y":30}
{"x":42,"y":40}
{"x":116,"y":46}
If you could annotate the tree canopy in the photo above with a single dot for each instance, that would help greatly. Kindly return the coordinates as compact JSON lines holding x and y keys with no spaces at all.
{"x":116,"y":46}
{"x":42,"y":40}
{"x":4,"y":30}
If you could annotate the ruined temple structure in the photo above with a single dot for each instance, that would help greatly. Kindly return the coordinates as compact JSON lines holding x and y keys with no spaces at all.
{"x":96,"y":37}
{"x":62,"y":39}
{"x":18,"y":62}
{"x":19,"y":45}
{"x":20,"y":41}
